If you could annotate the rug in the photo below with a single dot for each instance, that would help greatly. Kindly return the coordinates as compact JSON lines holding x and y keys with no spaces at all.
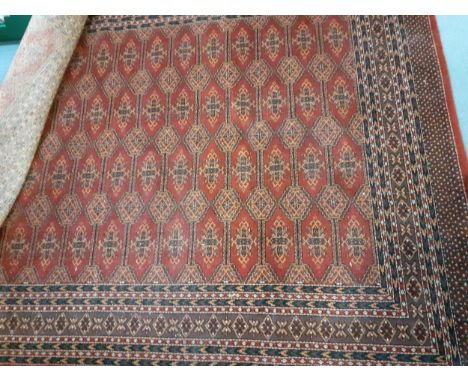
{"x":243,"y":190}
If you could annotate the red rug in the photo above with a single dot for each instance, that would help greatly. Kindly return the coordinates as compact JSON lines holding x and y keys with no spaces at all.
{"x":242,"y":190}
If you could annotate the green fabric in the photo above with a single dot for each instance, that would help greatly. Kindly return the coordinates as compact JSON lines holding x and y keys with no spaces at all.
{"x":13,"y":27}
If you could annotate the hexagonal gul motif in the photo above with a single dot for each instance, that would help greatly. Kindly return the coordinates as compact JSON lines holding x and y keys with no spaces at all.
{"x":213,"y":47}
{"x":274,"y":102}
{"x":227,"y":75}
{"x":98,"y":209}
{"x":209,"y":244}
{"x":227,"y":137}
{"x":292,"y":132}
{"x":180,"y":170}
{"x":307,"y":99}
{"x":166,"y":140}
{"x":175,"y":245}
{"x":276,"y":168}
{"x":129,"y":55}
{"x":156,"y":53}
{"x":242,"y":104}
{"x":184,"y":50}
{"x":153,"y":111}
{"x":213,"y":106}
{"x":260,"y":204}
{"x":289,"y":69}
{"x":48,"y":249}
{"x":211,"y":170}
{"x":129,"y":207}
{"x":259,"y":135}
{"x":68,"y":210}
{"x":124,"y":112}
{"x":194,"y":206}
{"x":355,"y":238}
{"x":227,"y":205}
{"x":243,"y":44}
{"x":295,"y":203}
{"x":279,"y":243}
{"x":58,"y":176}
{"x":326,"y":130}
{"x":304,"y":39}
{"x":148,"y":173}
{"x":341,"y":98}
{"x":182,"y":108}
{"x":244,"y":245}
{"x":335,"y":35}
{"x":197,"y":138}
{"x":258,"y":72}
{"x":317,"y":248}
{"x":348,"y":166}
{"x":118,"y":175}
{"x":332,"y":201}
{"x":68,"y":115}
{"x":322,"y":67}
{"x":15,"y":252}
{"x":79,"y":247}
{"x":272,"y":42}
{"x":169,"y":79}
{"x":142,"y":245}
{"x":312,"y":166}
{"x":161,"y":207}
{"x":243,"y":168}
{"x":87,"y":176}
{"x":95,"y":114}
{"x":109,"y":251}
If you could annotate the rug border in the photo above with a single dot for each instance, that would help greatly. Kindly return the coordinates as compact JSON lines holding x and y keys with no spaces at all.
{"x":450,"y":102}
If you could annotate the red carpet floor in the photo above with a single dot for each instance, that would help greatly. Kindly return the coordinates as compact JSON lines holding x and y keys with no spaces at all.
{"x":242,"y":190}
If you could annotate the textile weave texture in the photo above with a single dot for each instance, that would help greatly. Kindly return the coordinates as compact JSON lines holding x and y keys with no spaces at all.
{"x":243,"y":190}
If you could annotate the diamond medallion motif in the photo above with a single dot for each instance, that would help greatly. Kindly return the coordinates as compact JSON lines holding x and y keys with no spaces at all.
{"x":259,"y":135}
{"x":326,"y":130}
{"x":169,"y":79}
{"x":197,"y":138}
{"x":258,"y":72}
{"x":106,"y":143}
{"x":194,"y":206}
{"x":332,"y":201}
{"x":289,"y":69}
{"x":129,"y":208}
{"x":322,"y":67}
{"x":68,"y":210}
{"x":38,"y":210}
{"x":162,"y":206}
{"x":228,"y":75}
{"x":98,"y":209}
{"x":227,"y":205}
{"x":261,"y":204}
{"x":136,"y":141}
{"x":228,"y":137}
{"x":292,"y":133}
{"x":198,"y":78}
{"x":296,"y":203}
{"x":166,"y":140}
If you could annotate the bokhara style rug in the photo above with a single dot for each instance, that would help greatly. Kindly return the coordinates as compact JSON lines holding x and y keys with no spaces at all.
{"x":243,"y":190}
